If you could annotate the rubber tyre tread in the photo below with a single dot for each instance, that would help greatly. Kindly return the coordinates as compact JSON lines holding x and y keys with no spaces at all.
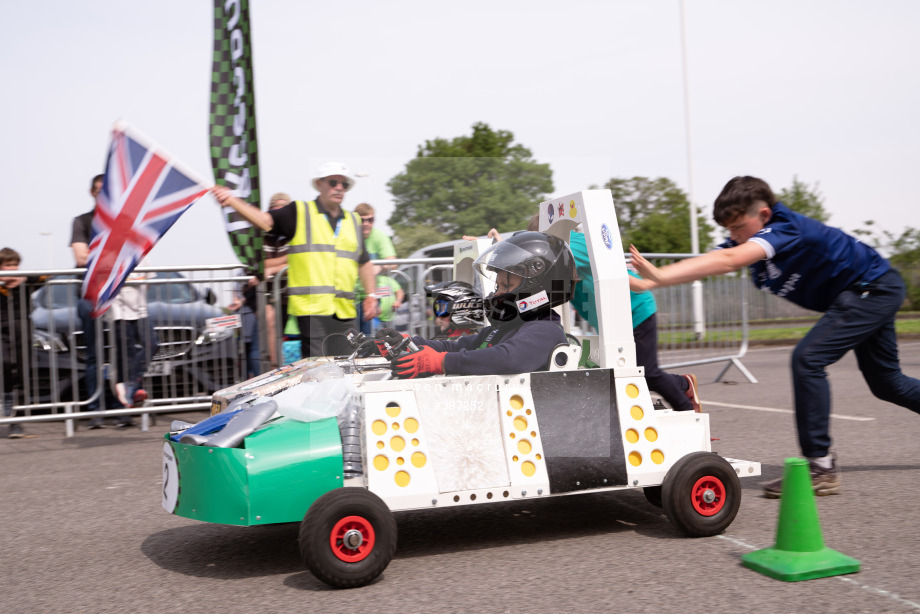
{"x":317,"y":525}
{"x":676,"y":494}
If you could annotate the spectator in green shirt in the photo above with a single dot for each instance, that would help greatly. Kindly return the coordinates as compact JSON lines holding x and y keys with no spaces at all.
{"x":379,"y":247}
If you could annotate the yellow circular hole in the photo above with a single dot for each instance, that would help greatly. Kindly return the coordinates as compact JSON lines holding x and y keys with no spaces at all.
{"x":515,"y":458}
{"x":632,"y":436}
{"x":415,"y":442}
{"x":539,"y":456}
{"x":524,"y":446}
{"x":528,"y":468}
{"x":401,"y":478}
{"x":381,"y":462}
{"x":651,"y":434}
{"x":520,"y":423}
{"x":528,"y":411}
{"x":636,"y":412}
{"x":418,"y":459}
{"x":398,"y":443}
{"x":380,"y":445}
{"x":379,"y":427}
{"x":510,"y":413}
{"x":393,"y":410}
{"x":632,"y":391}
{"x":635,"y":459}
{"x":657,"y":457}
{"x":411,"y":425}
{"x":533,"y":433}
{"x":400,"y":460}
{"x":512,"y":435}
{"x":396,"y":426}
{"x":516,"y":402}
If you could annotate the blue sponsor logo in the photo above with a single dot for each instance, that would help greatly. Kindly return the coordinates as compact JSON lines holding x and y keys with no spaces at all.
{"x":549,"y":211}
{"x":605,"y":236}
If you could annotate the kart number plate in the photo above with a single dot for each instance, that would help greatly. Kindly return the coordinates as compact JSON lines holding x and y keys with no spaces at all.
{"x":159,"y":367}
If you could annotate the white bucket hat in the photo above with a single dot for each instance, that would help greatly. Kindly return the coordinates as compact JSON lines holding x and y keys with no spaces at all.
{"x":333,"y":168}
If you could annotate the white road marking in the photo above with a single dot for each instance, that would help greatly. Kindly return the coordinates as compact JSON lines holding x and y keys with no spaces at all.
{"x":779,"y":410}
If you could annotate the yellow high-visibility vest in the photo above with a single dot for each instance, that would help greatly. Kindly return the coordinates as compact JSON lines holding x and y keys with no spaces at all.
{"x":323,"y":265}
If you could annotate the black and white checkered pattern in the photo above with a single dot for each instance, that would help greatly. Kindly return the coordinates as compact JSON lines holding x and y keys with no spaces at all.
{"x":234,"y":158}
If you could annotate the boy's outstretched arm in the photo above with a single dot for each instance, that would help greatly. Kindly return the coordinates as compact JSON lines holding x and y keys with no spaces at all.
{"x":719,"y":262}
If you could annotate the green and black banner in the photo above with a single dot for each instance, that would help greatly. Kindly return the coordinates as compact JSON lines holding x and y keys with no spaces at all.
{"x":234,"y":151}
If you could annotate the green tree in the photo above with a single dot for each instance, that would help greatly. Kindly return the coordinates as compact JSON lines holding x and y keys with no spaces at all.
{"x":466,"y":185}
{"x":903,"y":251}
{"x":654,"y":215}
{"x":805,"y":200}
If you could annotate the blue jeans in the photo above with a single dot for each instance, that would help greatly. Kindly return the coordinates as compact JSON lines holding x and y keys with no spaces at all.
{"x":84,"y":308}
{"x":860,"y":319}
{"x":136,"y":343}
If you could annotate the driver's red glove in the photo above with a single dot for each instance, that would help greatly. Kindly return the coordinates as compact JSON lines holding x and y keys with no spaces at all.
{"x":427,"y":361}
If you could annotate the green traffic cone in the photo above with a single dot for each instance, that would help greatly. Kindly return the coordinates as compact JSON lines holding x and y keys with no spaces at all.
{"x":799,"y":552}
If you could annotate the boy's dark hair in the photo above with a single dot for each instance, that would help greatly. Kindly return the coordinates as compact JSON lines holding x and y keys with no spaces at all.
{"x":95,"y":179}
{"x":737,"y":197}
{"x":8,"y":254}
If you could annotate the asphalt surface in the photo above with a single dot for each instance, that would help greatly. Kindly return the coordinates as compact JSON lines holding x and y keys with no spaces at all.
{"x":84,"y":531}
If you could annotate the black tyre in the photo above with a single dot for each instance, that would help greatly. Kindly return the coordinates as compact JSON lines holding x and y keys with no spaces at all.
{"x":701,"y":494}
{"x":347,"y":537}
{"x":653,"y":495}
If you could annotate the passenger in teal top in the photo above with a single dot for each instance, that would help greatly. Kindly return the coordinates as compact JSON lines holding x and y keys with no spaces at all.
{"x":642,"y":303}
{"x":679,"y":391}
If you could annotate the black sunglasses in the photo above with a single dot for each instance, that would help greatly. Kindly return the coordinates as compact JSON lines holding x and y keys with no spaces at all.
{"x":335,"y":183}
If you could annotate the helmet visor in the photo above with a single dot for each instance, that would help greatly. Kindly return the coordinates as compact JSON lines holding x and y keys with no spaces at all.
{"x":441,"y":307}
{"x":510,"y":258}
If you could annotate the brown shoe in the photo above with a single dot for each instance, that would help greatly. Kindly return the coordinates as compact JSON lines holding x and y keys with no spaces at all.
{"x":823,"y":482}
{"x":692,"y":393}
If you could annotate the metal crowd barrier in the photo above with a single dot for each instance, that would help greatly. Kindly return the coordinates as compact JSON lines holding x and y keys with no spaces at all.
{"x":725,"y":317}
{"x":190,"y":347}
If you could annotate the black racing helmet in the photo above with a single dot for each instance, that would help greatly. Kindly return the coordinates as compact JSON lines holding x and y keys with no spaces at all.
{"x":547,"y":270}
{"x":459,"y":300}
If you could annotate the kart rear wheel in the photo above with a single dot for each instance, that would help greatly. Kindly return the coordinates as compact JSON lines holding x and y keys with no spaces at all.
{"x":701,"y":494}
{"x":347,"y":537}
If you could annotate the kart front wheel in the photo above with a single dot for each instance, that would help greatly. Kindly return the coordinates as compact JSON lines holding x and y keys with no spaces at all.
{"x":701,"y":494}
{"x":347,"y":537}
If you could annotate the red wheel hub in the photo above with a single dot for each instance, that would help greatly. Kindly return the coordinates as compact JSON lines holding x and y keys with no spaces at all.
{"x":352,"y":539}
{"x":708,"y":495}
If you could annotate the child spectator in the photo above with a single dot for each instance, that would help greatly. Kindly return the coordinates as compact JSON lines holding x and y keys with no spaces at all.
{"x":136,"y":343}
{"x":390,"y":293}
{"x":15,"y":332}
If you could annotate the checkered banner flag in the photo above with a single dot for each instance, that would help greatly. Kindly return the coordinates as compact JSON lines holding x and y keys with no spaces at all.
{"x":234,"y":157}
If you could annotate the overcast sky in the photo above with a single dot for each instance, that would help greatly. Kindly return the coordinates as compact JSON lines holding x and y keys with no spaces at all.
{"x":826,"y":90}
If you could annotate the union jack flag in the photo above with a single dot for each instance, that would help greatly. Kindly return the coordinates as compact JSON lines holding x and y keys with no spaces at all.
{"x":143,"y":194}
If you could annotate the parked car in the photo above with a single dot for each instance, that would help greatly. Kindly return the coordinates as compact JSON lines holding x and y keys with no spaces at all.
{"x":190,"y":359}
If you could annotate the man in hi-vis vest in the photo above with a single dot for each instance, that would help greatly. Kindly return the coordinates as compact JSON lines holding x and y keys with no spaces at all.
{"x":326,"y":254}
